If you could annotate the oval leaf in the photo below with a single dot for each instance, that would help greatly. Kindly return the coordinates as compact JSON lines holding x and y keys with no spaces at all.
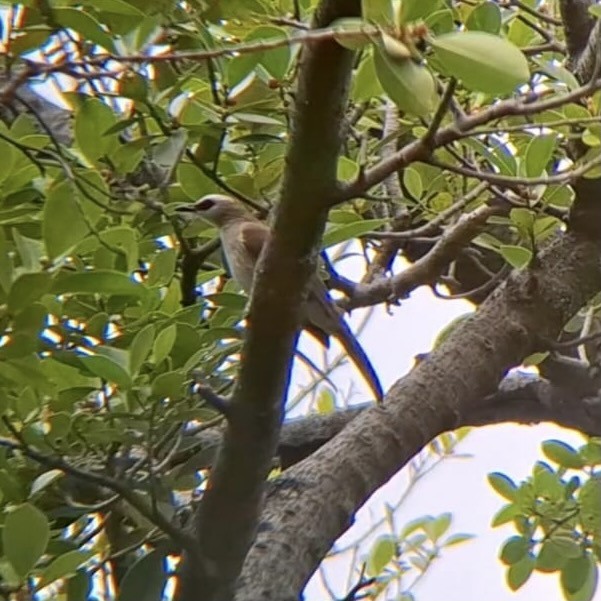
{"x":107,"y":369}
{"x":64,"y":565}
{"x":563,"y":454}
{"x":519,"y":572}
{"x":25,"y":538}
{"x":411,"y":87}
{"x":516,"y":256}
{"x":63,"y":224}
{"x":98,"y":282}
{"x":381,"y":553}
{"x":514,"y":550}
{"x":145,"y":580}
{"x":482,"y":61}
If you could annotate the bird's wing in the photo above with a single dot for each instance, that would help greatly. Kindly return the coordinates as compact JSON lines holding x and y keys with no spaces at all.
{"x":253,"y":235}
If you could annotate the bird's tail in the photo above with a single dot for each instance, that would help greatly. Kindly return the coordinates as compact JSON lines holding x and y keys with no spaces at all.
{"x":351,"y":345}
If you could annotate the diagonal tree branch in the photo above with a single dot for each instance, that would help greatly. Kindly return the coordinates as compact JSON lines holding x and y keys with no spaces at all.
{"x":426,"y":269}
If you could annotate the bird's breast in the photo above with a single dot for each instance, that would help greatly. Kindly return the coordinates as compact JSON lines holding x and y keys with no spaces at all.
{"x":241,"y":264}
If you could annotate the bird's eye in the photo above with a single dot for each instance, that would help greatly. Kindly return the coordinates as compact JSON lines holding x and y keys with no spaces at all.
{"x":204,"y":205}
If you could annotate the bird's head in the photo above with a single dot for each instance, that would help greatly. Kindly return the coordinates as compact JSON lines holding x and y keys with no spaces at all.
{"x":217,"y":209}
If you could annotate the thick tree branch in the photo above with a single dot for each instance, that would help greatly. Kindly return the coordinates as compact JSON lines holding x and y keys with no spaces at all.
{"x":227,"y":519}
{"x":526,"y":399}
{"x":578,"y":24}
{"x":312,"y":504}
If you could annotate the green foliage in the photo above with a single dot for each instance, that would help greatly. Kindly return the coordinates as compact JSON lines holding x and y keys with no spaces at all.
{"x":97,"y":352}
{"x":557,"y":517}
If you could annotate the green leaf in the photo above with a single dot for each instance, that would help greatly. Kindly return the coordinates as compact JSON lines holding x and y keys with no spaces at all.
{"x":517,"y":256}
{"x":8,"y":154}
{"x":365,"y":83}
{"x":503,"y":485}
{"x":523,"y":219}
{"x":163,"y":343}
{"x":84,"y":24}
{"x":411,"y":87}
{"x":326,"y":401}
{"x":44,"y":480}
{"x":277,"y":60}
{"x":457,"y":539}
{"x":107,"y":369}
{"x":514,"y":550}
{"x":162,"y":268}
{"x":97,"y":282}
{"x":549,"y":558}
{"x":92,"y":120}
{"x":348,"y":170}
{"x":563,"y":454}
{"x":237,"y":302}
{"x":535,"y":359}
{"x":6,"y":266}
{"x":485,"y":17}
{"x":341,"y":233}
{"x":483,"y":62}
{"x":140,"y":348}
{"x":505,"y":515}
{"x":379,"y":12}
{"x":595,"y":10}
{"x":591,"y":452}
{"x":135,"y":86}
{"x":566,"y":546}
{"x":440,"y":22}
{"x":193,"y":181}
{"x":538,"y":154}
{"x":412,"y":10}
{"x":25,"y":538}
{"x":438,"y":526}
{"x":590,"y":506}
{"x":27,"y":289}
{"x":63,"y":566}
{"x":519,"y":572}
{"x":79,"y":586}
{"x":118,"y":7}
{"x":348,"y":33}
{"x":30,"y":251}
{"x":587,"y":590}
{"x":412,"y":180}
{"x":145,"y":580}
{"x":574,"y":574}
{"x":63,"y":224}
{"x":382,"y":552}
{"x":168,"y":385}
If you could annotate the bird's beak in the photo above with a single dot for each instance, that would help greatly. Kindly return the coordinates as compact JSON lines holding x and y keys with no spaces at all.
{"x":185,"y":209}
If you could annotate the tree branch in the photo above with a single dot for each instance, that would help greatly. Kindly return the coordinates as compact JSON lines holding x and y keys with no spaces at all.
{"x":421,"y":149}
{"x":227,"y":520}
{"x":426,"y":269}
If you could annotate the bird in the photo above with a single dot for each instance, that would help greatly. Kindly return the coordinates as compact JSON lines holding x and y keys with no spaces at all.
{"x":242,"y":238}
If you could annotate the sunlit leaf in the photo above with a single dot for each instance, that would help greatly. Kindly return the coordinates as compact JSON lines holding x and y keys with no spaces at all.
{"x":482,"y":61}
